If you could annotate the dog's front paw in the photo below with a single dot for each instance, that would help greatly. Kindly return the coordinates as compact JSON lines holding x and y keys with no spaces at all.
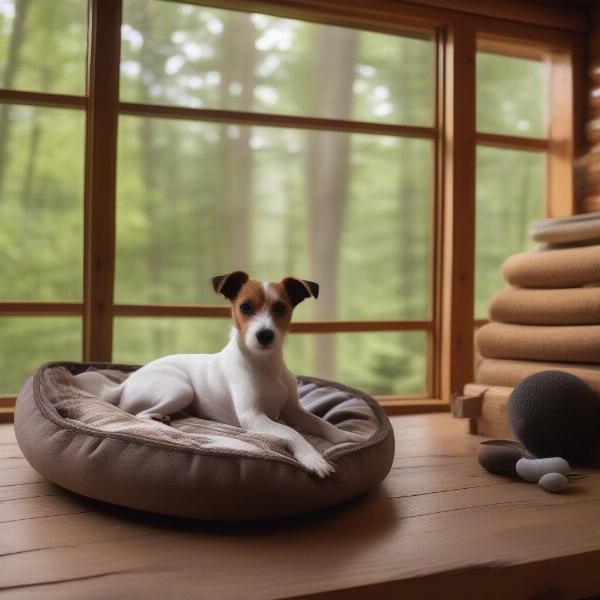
{"x":315,"y":463}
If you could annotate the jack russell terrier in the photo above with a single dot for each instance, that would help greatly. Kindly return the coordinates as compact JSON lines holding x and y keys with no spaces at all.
{"x":247,"y":383}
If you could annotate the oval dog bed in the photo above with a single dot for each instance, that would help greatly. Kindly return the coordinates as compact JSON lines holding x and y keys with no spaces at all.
{"x":193,"y":467}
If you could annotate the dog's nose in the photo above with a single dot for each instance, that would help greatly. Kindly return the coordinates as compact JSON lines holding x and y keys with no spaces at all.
{"x":265,"y":337}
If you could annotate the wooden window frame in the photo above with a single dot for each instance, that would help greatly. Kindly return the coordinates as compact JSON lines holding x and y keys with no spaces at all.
{"x":457,"y":34}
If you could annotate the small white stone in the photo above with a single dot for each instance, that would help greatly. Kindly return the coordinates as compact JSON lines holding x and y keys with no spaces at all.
{"x":554,"y":482}
{"x":533,"y":469}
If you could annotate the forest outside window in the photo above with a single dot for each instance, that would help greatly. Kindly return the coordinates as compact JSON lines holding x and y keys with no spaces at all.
{"x":281,"y":196}
{"x":250,"y":141}
{"x":511,"y":173}
{"x":43,"y":49}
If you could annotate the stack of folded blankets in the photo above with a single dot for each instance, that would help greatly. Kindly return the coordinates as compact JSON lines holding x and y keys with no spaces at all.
{"x":550,"y":317}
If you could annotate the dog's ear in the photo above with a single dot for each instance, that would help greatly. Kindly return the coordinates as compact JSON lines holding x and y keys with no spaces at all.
{"x":229,"y":285}
{"x":299,"y":289}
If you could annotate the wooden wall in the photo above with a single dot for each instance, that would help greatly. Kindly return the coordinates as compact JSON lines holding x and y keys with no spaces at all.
{"x":587,"y":166}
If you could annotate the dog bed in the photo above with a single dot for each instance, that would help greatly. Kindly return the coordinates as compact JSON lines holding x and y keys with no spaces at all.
{"x":193,"y":468}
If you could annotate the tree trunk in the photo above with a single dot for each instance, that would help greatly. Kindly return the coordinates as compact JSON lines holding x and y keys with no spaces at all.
{"x":409,"y":264}
{"x":29,"y":174}
{"x":27,"y":187}
{"x":12,"y":62}
{"x":238,"y":63}
{"x":327,"y":176}
{"x":150,"y":168}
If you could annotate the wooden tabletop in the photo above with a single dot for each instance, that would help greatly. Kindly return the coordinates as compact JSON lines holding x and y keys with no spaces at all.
{"x":439,"y":526}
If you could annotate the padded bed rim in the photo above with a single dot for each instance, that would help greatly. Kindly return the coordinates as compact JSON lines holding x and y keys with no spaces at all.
{"x":49,"y":412}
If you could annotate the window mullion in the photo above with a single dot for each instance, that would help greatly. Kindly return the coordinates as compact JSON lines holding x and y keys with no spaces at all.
{"x":100,"y":177}
{"x":459,"y":210}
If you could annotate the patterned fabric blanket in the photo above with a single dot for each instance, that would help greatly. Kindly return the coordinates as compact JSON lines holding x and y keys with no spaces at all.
{"x":76,"y":397}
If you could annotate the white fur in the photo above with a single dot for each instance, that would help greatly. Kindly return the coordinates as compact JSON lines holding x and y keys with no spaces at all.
{"x":244,"y":384}
{"x":270,"y":291}
{"x":263,"y":320}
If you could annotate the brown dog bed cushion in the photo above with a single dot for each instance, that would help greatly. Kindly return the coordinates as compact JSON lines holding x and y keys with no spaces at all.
{"x":564,"y":306}
{"x":561,"y":268}
{"x":567,"y":343}
{"x":193,"y":467}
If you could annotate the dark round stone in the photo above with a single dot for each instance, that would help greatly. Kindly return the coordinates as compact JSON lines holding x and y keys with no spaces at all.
{"x":553,"y":413}
{"x":499,"y":456}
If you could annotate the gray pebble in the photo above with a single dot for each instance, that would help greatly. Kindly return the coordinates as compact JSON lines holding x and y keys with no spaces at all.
{"x":554,"y":482}
{"x":533,"y":469}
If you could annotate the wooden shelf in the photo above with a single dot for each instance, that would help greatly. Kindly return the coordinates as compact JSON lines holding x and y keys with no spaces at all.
{"x":438,"y":527}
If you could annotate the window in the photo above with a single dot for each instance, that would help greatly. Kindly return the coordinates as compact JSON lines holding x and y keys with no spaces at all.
{"x":43,"y":50}
{"x":511,"y":164}
{"x":147,"y":145}
{"x":281,"y":180}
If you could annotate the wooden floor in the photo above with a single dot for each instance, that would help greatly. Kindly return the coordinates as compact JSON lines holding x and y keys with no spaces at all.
{"x":439,"y":527}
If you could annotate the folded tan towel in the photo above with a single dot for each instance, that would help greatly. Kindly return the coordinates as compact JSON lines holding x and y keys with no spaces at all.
{"x":568,"y":343}
{"x":562,"y":268}
{"x":564,"y":230}
{"x":566,"y":306}
{"x":509,"y":373}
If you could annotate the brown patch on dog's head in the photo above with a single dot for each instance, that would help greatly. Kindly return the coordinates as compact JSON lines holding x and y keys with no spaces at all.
{"x":249,"y":302}
{"x":270,"y":303}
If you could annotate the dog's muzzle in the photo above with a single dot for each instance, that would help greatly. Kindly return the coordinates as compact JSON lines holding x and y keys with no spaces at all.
{"x":265,"y":337}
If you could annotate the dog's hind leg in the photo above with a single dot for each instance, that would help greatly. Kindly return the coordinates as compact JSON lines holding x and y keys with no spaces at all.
{"x":156,"y":399}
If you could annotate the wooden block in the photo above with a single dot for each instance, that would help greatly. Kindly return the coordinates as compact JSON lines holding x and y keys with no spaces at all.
{"x":485,"y":406}
{"x":465,"y":407}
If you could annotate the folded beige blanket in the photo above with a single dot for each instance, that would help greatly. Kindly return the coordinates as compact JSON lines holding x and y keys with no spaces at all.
{"x":565,"y":230}
{"x":509,"y":373}
{"x":566,"y":306}
{"x":562,"y":268}
{"x":568,"y":343}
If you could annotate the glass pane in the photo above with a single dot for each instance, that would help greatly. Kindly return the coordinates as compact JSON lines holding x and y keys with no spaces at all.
{"x":140,"y":340}
{"x":376,"y":362}
{"x":510,"y":95}
{"x":380,"y":363}
{"x":175,"y":53}
{"x":41,"y":203}
{"x":510,"y":196}
{"x":27,"y":342}
{"x":350,"y":211}
{"x":43,"y":45}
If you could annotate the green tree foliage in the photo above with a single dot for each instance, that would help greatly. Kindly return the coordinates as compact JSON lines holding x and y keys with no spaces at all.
{"x":195,"y":198}
{"x":510,"y":183}
{"x":510,"y":196}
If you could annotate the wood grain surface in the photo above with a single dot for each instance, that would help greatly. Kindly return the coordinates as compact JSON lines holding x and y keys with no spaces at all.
{"x":439,"y":526}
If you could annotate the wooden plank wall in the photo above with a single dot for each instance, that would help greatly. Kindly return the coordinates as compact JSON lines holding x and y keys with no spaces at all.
{"x":587,"y":166}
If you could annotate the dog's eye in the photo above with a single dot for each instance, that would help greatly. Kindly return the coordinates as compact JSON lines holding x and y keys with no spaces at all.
{"x":279,"y":310}
{"x":246,"y":308}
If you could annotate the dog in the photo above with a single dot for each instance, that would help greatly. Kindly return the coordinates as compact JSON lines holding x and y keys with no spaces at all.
{"x":247,"y":383}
